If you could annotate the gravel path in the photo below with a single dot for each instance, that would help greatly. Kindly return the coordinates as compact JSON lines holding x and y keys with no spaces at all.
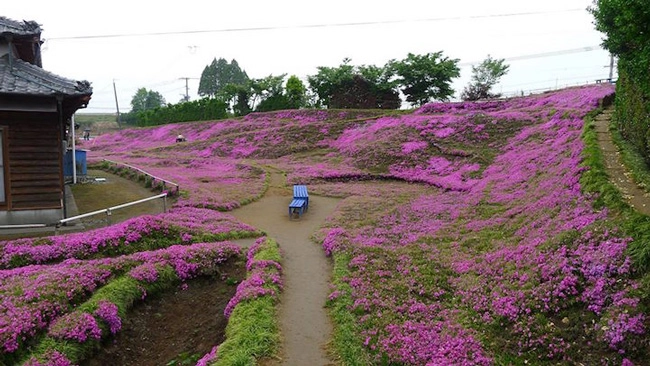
{"x":304,"y":323}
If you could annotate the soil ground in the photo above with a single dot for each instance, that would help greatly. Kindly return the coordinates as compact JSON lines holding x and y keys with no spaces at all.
{"x":176,"y":328}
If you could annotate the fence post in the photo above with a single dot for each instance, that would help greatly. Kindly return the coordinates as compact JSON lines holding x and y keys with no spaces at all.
{"x":165,"y":204}
{"x":108,"y":216}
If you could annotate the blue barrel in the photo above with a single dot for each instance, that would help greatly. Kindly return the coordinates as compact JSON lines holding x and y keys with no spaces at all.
{"x":80,"y":156}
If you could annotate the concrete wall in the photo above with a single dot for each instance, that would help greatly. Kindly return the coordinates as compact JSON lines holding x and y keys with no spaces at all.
{"x":30,"y":217}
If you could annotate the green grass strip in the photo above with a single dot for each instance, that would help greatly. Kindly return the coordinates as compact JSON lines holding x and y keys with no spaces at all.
{"x":346,"y":343}
{"x":253,"y":332}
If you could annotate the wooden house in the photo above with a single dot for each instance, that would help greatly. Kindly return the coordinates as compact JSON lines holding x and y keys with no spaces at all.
{"x":35,"y":111}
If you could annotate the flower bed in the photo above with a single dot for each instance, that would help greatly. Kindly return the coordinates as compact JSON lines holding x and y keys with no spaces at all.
{"x":252,"y":333}
{"x":36,"y":297}
{"x":181,"y":225}
{"x":515,"y":267}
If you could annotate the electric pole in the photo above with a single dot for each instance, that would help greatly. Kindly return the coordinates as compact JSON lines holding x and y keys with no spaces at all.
{"x":611,"y":67}
{"x":117,"y":106}
{"x":186,"y":97}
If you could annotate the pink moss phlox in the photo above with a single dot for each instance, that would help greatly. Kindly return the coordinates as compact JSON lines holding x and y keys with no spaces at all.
{"x":208,"y":358}
{"x":190,"y":220}
{"x":264,"y":279}
{"x":433,"y":343}
{"x":146,"y":272}
{"x":51,"y":358}
{"x":78,"y":326}
{"x":40,"y":293}
{"x":108,"y":312}
{"x":334,"y":241}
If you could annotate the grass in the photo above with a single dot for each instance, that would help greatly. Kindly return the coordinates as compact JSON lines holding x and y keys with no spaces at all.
{"x":346,"y":343}
{"x":252,"y":333}
{"x":116,"y":190}
{"x":85,"y":118}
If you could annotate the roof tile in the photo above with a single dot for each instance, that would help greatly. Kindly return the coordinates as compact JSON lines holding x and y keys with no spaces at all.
{"x":24,"y":28}
{"x":26,"y":79}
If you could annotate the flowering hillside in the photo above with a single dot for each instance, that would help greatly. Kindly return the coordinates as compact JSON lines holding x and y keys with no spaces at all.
{"x":509,"y":264}
{"x":463,"y":238}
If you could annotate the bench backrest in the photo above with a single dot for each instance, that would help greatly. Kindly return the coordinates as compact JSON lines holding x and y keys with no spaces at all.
{"x":300,"y":191}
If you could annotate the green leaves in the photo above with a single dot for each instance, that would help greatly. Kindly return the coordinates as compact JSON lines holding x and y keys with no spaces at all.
{"x":218,"y":75}
{"x":145,"y":100}
{"x":484,"y":77}
{"x":427,"y":77}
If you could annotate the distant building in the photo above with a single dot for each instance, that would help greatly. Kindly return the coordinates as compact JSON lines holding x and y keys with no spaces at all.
{"x":35,"y":111}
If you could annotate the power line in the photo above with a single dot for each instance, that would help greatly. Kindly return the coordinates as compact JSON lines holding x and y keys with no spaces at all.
{"x":307,"y":26}
{"x":543,"y":54}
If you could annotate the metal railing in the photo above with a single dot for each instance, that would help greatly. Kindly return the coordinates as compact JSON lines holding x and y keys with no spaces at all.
{"x":107,"y":211}
{"x":23,"y":226}
{"x":154,"y":178}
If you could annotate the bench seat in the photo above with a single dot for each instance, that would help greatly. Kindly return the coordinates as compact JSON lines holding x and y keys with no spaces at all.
{"x":298,"y":206}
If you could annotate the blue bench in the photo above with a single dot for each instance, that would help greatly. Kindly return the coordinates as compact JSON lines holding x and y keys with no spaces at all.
{"x":300,"y":192}
{"x":297,"y":206}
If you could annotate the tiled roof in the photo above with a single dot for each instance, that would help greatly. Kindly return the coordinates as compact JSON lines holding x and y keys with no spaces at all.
{"x":26,"y":79}
{"x":24,"y":28}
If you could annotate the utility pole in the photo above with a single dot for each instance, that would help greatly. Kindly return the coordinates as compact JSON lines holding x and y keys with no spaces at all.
{"x":117,"y":106}
{"x":186,"y":97}
{"x":611,"y":67}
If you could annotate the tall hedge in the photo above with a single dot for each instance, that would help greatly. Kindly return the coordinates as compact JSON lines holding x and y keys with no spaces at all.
{"x":198,"y":110}
{"x":626,"y":25}
{"x":633,"y":111}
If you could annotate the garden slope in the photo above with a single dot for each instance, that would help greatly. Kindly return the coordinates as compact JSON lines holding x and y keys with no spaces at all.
{"x":494,"y":256}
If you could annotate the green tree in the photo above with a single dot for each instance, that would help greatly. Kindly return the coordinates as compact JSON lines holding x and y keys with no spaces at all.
{"x":264,"y":88}
{"x":144,"y":100}
{"x":296,"y":93}
{"x":484,"y":77}
{"x":238,"y":97}
{"x":347,"y":86}
{"x":424,"y":78}
{"x":328,"y":79}
{"x":383,"y":85}
{"x":626,"y":25}
{"x":216,"y":76}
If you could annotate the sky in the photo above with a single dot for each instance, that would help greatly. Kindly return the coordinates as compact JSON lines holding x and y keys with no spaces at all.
{"x":163,"y":46}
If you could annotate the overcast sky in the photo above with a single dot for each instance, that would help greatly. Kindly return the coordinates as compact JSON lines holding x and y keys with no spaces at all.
{"x":547,"y":44}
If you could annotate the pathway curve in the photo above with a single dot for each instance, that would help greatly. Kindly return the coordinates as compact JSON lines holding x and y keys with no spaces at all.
{"x":618,"y":174}
{"x":304,"y":323}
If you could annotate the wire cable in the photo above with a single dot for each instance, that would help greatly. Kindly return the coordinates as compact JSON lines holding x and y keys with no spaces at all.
{"x":308,"y":26}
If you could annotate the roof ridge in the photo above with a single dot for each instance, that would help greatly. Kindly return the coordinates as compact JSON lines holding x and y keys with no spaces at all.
{"x":26,"y":27}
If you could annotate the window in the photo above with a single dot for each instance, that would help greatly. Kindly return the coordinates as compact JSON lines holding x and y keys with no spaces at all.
{"x":3,"y":196}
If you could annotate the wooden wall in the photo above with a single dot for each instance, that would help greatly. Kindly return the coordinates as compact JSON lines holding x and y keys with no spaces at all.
{"x":34,"y":150}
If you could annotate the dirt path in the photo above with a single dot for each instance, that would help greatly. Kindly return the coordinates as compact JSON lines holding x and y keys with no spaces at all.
{"x":619,"y":176}
{"x":304,"y":323}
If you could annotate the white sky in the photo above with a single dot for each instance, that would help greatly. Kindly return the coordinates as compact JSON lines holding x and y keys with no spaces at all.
{"x":465,"y":29}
